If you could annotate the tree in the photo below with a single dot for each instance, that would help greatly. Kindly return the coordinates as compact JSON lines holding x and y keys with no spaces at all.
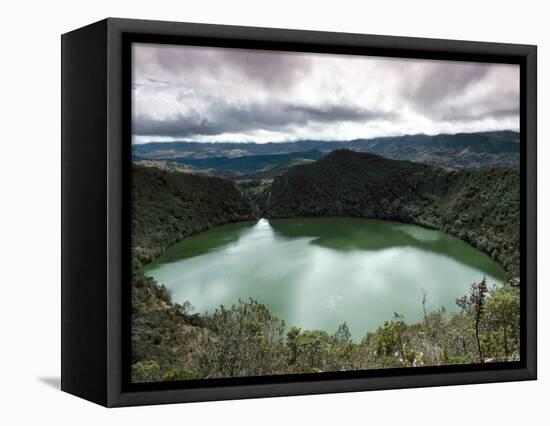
{"x":474,"y":303}
{"x":291,"y":336}
{"x":342,"y":334}
{"x":146,"y":371}
{"x":249,"y":340}
{"x":312,"y":351}
{"x":393,"y":344}
{"x":343,"y":349}
{"x":502,"y":310}
{"x":425,"y":312}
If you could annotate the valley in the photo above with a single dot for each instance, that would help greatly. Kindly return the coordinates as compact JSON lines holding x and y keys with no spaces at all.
{"x":197,"y":238}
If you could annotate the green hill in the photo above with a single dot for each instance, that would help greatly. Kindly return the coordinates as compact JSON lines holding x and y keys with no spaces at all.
{"x":168,"y":206}
{"x":480,"y":206}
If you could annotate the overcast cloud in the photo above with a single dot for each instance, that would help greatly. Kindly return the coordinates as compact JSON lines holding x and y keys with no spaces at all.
{"x":215,"y":94}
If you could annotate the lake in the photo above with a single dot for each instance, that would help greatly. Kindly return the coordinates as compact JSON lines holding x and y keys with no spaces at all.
{"x":318,"y":273}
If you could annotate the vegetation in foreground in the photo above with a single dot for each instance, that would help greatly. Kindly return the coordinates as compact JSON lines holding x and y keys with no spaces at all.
{"x":169,"y":342}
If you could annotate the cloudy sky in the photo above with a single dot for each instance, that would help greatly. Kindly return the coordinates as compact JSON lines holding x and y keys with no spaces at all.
{"x":236,"y":95}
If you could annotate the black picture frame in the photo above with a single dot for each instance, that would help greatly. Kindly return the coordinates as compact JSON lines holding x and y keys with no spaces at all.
{"x":96,"y":130}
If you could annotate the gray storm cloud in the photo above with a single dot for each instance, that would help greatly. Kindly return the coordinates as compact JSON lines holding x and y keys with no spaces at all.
{"x":216,"y":94}
{"x":223,"y":118}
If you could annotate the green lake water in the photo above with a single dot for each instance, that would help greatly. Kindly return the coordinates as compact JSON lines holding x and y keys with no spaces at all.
{"x":318,"y":273}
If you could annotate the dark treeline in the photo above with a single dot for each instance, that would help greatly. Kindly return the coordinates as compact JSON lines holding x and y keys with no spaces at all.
{"x":479,"y":205}
{"x":168,"y":206}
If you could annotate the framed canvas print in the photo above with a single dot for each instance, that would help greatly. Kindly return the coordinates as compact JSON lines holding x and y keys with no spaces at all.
{"x":253,"y":212}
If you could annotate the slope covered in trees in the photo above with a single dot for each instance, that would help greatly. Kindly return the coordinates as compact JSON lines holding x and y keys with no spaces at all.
{"x":480,"y":206}
{"x":168,"y":206}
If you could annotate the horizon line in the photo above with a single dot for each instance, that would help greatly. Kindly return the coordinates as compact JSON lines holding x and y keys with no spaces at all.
{"x":321,"y":140}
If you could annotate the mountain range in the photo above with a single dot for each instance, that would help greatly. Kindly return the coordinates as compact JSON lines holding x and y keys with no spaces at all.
{"x":451,"y":150}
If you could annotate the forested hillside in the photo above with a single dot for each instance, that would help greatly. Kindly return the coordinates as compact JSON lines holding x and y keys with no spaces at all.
{"x":480,"y":206}
{"x":168,"y":206}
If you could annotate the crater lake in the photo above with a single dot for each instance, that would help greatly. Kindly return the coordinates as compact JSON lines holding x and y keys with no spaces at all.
{"x":318,"y":273}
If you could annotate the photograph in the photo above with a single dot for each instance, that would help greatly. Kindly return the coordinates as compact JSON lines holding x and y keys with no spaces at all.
{"x":274,"y":214}
{"x":299,"y":212}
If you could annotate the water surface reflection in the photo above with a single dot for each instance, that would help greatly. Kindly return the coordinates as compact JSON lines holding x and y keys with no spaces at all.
{"x":318,"y":273}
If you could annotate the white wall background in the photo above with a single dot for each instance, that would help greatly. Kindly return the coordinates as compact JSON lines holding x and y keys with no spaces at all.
{"x":30,"y":211}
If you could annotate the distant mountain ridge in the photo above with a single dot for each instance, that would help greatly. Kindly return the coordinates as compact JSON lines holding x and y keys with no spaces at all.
{"x":248,"y":163}
{"x":453,"y":150}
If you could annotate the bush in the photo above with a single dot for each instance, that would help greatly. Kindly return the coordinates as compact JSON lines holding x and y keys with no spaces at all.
{"x":170,"y":343}
{"x":249,"y":341}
